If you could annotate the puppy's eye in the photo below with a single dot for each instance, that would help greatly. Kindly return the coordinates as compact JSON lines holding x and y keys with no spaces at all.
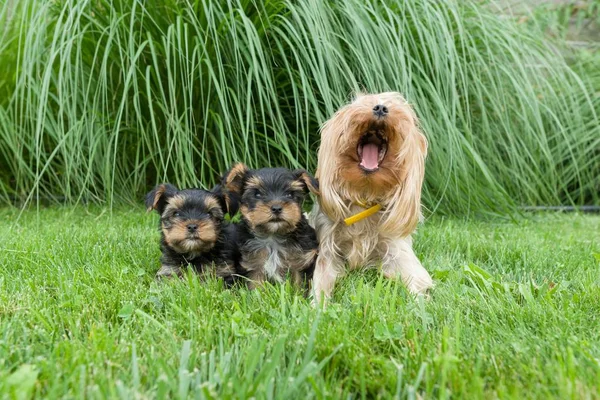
{"x":258,"y":194}
{"x":177,"y":214}
{"x":289,"y":195}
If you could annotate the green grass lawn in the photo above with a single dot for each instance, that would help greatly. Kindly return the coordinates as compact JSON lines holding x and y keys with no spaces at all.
{"x":515,"y":314}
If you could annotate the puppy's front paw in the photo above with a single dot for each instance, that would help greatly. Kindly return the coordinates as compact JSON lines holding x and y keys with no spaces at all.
{"x":168,"y":271}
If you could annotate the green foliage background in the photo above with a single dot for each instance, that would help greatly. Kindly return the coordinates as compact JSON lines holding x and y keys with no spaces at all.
{"x":99,"y":100}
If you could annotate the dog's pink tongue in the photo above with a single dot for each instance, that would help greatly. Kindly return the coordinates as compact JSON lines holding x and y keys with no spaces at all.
{"x":370,"y":156}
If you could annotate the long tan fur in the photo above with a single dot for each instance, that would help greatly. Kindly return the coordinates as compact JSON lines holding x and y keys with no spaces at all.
{"x":396,"y":185}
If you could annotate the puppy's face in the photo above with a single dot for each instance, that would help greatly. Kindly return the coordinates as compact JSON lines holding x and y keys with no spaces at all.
{"x":190,"y":220}
{"x":270,"y":198}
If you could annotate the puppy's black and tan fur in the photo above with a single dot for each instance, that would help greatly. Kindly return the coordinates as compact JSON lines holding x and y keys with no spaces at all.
{"x":275,"y":237}
{"x":194,"y":232}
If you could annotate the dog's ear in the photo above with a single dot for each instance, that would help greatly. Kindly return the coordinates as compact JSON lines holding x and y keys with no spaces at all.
{"x":220,"y":194}
{"x":403,"y":211}
{"x":231,"y":187}
{"x":159,"y":196}
{"x":233,"y":180}
{"x":229,"y":202}
{"x":310,"y":183}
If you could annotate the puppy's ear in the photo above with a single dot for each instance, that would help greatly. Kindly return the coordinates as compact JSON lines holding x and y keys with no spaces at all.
{"x":227,"y":201}
{"x":159,"y":196}
{"x":233,"y":180}
{"x":231,"y":187}
{"x":310,"y":183}
{"x":217,"y":212}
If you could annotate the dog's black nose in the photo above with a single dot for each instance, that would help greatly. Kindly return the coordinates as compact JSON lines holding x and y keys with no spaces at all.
{"x":276,"y":209}
{"x":380,"y":110}
{"x":192,"y":228}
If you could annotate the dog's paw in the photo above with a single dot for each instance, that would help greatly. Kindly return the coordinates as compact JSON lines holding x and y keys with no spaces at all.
{"x":319,"y":301}
{"x":420,"y":284}
{"x":168,"y":271}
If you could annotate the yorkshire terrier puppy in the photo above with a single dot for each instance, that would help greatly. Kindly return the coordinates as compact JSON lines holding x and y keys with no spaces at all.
{"x":275,"y":238}
{"x":370,"y":169}
{"x":194,"y":232}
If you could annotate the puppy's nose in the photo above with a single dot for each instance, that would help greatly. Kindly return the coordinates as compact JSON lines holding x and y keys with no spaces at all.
{"x":380,"y":110}
{"x":192,"y":228}
{"x":276,"y":209}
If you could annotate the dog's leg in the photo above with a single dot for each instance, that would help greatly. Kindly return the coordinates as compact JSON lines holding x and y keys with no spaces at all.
{"x":226,"y":272}
{"x":169,"y":271}
{"x":256,"y":279}
{"x":327,"y":269}
{"x":400,"y":259}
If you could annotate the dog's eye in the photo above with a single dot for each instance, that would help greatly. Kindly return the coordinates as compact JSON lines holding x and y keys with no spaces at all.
{"x":177,"y":214}
{"x":258,"y":194}
{"x":289,"y":195}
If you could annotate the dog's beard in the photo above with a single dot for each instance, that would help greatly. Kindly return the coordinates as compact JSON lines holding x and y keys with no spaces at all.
{"x":185,"y":242}
{"x":274,"y":226}
{"x":192,"y":245}
{"x":278,"y":227}
{"x":263,"y":222}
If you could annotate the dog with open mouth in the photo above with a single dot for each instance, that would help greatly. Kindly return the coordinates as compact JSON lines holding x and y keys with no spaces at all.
{"x":194,"y":232}
{"x":371,"y":165}
{"x":275,"y":240}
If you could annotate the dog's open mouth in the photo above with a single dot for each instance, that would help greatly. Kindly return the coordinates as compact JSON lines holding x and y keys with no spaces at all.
{"x":371,"y":149}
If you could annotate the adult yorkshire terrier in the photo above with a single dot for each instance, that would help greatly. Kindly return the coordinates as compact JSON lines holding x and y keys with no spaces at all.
{"x":370,"y":170}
